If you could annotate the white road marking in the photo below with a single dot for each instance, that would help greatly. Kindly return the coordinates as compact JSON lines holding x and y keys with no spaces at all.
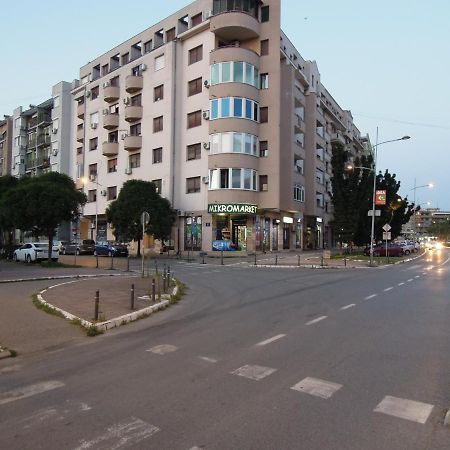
{"x":411,"y":279}
{"x":417,"y":276}
{"x":272,"y":339}
{"x":388,"y":289}
{"x":416,"y":266}
{"x":316,"y":320}
{"x":28,"y":391}
{"x":315,"y":386}
{"x":210,"y":360}
{"x":347,"y":307}
{"x":370,"y":296}
{"x":254,"y":372}
{"x":405,"y":409}
{"x":162,"y":349}
{"x":9,"y":369}
{"x":400,"y":284}
{"x":121,"y":435}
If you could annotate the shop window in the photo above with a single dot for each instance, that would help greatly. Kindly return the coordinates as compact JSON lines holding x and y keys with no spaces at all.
{"x":193,"y":233}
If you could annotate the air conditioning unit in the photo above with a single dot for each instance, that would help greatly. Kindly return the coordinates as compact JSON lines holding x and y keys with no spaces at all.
{"x":126,"y":100}
{"x":206,"y":83}
{"x":206,"y":115}
{"x":105,"y":111}
{"x":93,"y":126}
{"x":128,"y":171}
{"x":106,"y":84}
{"x":92,"y":177}
{"x":207,"y":14}
{"x":143,"y":67}
{"x":54,"y":130}
{"x":206,"y":145}
{"x":103,"y":193}
{"x":54,"y":151}
{"x":264,"y":187}
{"x":205,"y":180}
{"x":123,"y":136}
{"x":180,"y":213}
{"x":88,"y":94}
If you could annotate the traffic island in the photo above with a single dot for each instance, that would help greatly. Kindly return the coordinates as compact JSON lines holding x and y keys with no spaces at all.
{"x":7,"y":353}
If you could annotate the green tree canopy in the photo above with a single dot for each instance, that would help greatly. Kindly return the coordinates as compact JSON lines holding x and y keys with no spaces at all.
{"x":135,"y":197}
{"x":7,"y":183}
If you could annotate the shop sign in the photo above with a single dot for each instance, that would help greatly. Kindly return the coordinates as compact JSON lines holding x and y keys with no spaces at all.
{"x":232,"y":208}
{"x":380,"y":197}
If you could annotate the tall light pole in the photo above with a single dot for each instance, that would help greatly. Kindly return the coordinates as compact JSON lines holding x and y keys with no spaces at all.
{"x":429,"y":185}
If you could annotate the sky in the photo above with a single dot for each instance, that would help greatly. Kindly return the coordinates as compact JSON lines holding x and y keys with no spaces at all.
{"x":387,"y":61}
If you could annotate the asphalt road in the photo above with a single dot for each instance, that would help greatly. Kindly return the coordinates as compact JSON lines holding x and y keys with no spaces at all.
{"x":253,"y":358}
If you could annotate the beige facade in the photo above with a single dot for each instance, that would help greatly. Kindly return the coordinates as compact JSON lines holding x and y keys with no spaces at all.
{"x":217,"y":107}
{"x":5,"y":145}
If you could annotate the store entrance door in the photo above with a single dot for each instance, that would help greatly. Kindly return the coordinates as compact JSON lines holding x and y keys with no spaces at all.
{"x":239,"y":234}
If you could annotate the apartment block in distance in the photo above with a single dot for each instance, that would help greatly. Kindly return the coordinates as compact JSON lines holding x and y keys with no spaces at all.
{"x":5,"y":145}
{"x":216,"y":106}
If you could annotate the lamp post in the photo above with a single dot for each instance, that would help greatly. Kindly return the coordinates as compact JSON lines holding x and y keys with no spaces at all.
{"x":374,"y":170}
{"x":429,"y":185}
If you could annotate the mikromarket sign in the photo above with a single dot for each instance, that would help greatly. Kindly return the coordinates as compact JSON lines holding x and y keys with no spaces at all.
{"x":232,"y":208}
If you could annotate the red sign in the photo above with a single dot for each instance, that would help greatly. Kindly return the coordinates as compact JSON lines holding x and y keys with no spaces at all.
{"x":380,"y":197}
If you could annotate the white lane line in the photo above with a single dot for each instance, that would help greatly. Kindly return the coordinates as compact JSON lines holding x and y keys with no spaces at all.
{"x":388,"y":289}
{"x":207,"y":359}
{"x":254,"y":372}
{"x":162,"y":349}
{"x":121,"y":435}
{"x":401,"y":284}
{"x":347,"y":307}
{"x":405,"y":409}
{"x":417,"y":276}
{"x":272,"y":339}
{"x":370,"y":296}
{"x":315,"y":386}
{"x":28,"y":391}
{"x":411,"y":279}
{"x":316,"y":320}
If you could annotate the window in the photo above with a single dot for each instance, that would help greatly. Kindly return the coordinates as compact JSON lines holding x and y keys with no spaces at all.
{"x":194,"y":119}
{"x":158,"y":93}
{"x":114,"y":109}
{"x":93,"y":120}
{"x":79,"y":150}
{"x":93,"y":144}
{"x":192,"y":185}
{"x":263,"y":114}
{"x":234,"y":178}
{"x":115,"y":81}
{"x":113,"y":137}
{"x":159,"y":62}
{"x":148,"y":46}
{"x":136,"y":71}
{"x":263,"y":183}
{"x":299,"y":165}
{"x":134,"y":160}
{"x":157,"y":124}
{"x":125,"y":58}
{"x":196,"y":20}
{"x":92,"y":171}
{"x":136,"y":100}
{"x":170,"y":35}
{"x":299,"y":193}
{"x":195,"y":54}
{"x":195,"y":86}
{"x":264,"y":81}
{"x":158,"y":185}
{"x":234,"y":107}
{"x":194,"y":151}
{"x":112,"y":193}
{"x":234,"y":72}
{"x":264,"y":14}
{"x":112,"y":165}
{"x":265,"y":47}
{"x":94,"y":92}
{"x":105,"y":70}
{"x":157,"y":155}
{"x":319,"y":199}
{"x":92,"y":195}
{"x":263,"y":149}
{"x":135,"y":130}
{"x":319,"y":176}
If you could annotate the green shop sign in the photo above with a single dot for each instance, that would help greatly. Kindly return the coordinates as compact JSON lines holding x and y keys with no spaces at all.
{"x":232,"y":208}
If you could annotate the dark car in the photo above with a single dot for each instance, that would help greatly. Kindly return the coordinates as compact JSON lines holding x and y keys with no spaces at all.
{"x":86,"y":247}
{"x":380,"y":250}
{"x":111,"y":249}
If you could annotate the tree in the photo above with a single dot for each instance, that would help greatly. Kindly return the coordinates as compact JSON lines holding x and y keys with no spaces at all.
{"x":124,"y":213}
{"x":39,"y":204}
{"x":7,"y":183}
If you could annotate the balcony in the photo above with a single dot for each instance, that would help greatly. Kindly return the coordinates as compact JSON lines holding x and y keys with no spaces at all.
{"x":110,"y":148}
{"x":132,"y":143}
{"x":80,"y":111}
{"x":110,"y":121}
{"x":43,"y":139}
{"x":111,"y":93}
{"x":80,"y":135}
{"x":235,"y":25}
{"x":133,"y":113}
{"x":234,"y":53}
{"x":133,"y":83}
{"x":337,"y":138}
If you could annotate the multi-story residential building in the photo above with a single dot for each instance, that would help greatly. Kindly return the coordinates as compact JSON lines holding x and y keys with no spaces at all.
{"x":5,"y":145}
{"x":41,"y":138}
{"x":216,"y":106}
{"x":421,"y":222}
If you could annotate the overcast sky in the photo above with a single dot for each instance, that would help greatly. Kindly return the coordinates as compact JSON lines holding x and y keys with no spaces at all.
{"x":386,"y":61}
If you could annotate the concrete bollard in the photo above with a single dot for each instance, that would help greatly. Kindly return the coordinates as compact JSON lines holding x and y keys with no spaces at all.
{"x":132,"y":297}
{"x":153,"y":291}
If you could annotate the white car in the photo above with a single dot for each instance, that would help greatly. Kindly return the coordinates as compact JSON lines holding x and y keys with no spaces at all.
{"x":35,"y":251}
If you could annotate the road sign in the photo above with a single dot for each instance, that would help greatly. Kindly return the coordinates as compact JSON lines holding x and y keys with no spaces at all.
{"x":380,"y":197}
{"x":386,"y":236}
{"x":377,"y":213}
{"x":386,"y":227}
{"x":145,"y":218}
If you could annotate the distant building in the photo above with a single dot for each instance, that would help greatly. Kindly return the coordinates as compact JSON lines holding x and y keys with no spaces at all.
{"x":5,"y":145}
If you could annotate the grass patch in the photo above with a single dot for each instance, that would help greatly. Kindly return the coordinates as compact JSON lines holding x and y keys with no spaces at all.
{"x":181,"y":287}
{"x":93,"y":331}
{"x":44,"y":307}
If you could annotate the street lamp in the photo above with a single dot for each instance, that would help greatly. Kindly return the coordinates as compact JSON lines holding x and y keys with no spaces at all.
{"x":429,"y":185}
{"x":374,"y":170}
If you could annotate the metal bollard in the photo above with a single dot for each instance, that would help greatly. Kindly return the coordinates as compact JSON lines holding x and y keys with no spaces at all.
{"x":96,"y":260}
{"x":96,"y":304}
{"x":345,"y":261}
{"x":221,"y":257}
{"x":203,"y":257}
{"x":255,"y":258}
{"x":321,"y":261}
{"x":276,"y":260}
{"x":153,"y":291}
{"x":168,"y":277}
{"x":298,"y":263}
{"x":132,"y":297}
{"x":156,"y":267}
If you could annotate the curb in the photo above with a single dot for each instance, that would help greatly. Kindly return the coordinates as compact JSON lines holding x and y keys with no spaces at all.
{"x":4,"y":353}
{"x":60,"y":277}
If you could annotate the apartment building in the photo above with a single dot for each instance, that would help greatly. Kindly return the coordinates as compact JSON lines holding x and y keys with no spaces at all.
{"x":216,"y":106}
{"x":5,"y":145}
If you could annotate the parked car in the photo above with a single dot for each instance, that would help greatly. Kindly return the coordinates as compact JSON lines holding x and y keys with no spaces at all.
{"x":408,"y":246}
{"x":86,"y":247}
{"x":380,"y":250}
{"x":61,"y":246}
{"x":111,"y":249}
{"x":35,"y":251}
